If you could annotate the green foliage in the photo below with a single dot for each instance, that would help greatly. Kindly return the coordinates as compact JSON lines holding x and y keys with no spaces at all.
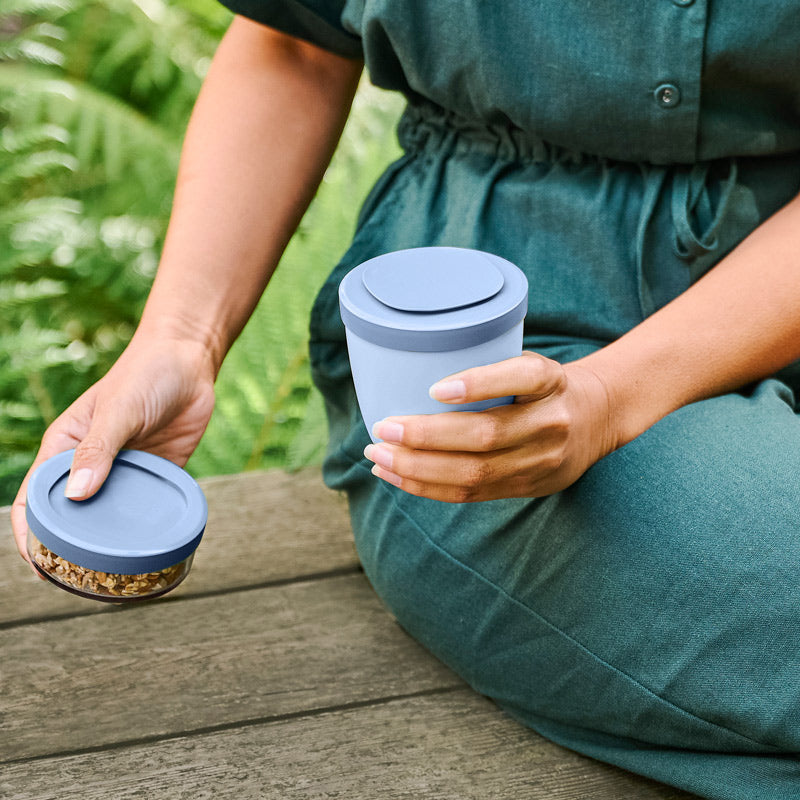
{"x":94,"y":99}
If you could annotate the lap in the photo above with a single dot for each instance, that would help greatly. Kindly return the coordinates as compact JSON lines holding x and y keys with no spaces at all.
{"x":654,"y":601}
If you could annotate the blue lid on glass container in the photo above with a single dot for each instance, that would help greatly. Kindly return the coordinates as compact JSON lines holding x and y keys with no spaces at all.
{"x":433,"y":299}
{"x":148,"y":515}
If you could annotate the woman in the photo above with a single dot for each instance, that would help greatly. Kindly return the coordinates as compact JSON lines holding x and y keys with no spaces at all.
{"x":629,"y":589}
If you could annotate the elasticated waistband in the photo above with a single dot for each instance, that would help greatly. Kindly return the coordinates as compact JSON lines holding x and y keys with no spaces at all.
{"x":427,"y":126}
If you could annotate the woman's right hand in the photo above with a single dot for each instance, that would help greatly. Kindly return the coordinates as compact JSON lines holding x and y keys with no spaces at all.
{"x":158,"y":397}
{"x":261,"y":135}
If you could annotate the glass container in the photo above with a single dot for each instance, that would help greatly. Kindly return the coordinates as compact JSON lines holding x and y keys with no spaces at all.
{"x":134,"y":539}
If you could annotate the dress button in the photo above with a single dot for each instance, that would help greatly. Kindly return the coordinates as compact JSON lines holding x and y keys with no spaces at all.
{"x":667,"y":95}
{"x":683,"y":2}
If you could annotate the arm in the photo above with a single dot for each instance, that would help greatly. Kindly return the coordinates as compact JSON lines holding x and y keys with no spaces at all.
{"x":737,"y":324}
{"x":263,"y":130}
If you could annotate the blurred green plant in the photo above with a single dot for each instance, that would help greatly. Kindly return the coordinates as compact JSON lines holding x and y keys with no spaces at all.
{"x":94,"y":99}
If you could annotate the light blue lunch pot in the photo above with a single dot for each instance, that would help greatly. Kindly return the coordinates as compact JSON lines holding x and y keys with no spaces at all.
{"x":413,"y":317}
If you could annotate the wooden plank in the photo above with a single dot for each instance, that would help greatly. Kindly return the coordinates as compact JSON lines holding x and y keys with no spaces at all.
{"x":175,"y":666}
{"x":455,"y":746}
{"x":263,"y":527}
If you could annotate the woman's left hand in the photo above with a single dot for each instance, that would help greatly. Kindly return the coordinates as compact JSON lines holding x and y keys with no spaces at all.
{"x":558,"y":426}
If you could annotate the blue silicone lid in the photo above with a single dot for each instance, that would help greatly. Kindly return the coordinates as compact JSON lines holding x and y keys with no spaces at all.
{"x":433,"y":299}
{"x":148,"y":515}
{"x":432,"y":279}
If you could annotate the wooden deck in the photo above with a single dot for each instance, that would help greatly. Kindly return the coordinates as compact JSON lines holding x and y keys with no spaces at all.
{"x":272,"y":672}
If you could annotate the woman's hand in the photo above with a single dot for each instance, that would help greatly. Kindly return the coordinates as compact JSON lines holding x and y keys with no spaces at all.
{"x":158,"y":397}
{"x":262,"y":133}
{"x":559,"y":425}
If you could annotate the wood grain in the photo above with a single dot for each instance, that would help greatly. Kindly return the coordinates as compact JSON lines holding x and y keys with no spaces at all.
{"x":455,"y":746}
{"x":262,"y":527}
{"x":272,"y":672}
{"x":183,"y":665}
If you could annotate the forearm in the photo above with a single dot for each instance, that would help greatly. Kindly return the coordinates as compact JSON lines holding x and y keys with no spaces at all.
{"x":261,"y":135}
{"x":739,"y":323}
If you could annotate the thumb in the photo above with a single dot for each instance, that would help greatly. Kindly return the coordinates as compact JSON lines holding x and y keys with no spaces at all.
{"x":95,"y":454}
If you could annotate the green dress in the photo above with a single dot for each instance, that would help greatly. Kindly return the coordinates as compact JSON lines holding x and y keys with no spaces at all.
{"x":648,"y":615}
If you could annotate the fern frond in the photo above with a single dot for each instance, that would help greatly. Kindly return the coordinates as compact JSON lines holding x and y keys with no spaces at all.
{"x":14,"y":142}
{"x":27,"y":49}
{"x":36,"y":166}
{"x":39,"y":208}
{"x":19,"y":293}
{"x":31,"y":349}
{"x":40,"y":8}
{"x":93,"y":119}
{"x":15,"y":410}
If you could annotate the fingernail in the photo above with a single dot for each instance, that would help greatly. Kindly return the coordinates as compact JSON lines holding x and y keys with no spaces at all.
{"x":387,"y":476}
{"x":380,"y":455}
{"x":78,"y":483}
{"x":448,"y":390}
{"x":388,"y":431}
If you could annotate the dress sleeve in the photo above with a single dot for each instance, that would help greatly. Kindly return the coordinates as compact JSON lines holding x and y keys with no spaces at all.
{"x":315,"y":21}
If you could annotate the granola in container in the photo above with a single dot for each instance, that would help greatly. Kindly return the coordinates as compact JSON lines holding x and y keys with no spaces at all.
{"x":133,"y":540}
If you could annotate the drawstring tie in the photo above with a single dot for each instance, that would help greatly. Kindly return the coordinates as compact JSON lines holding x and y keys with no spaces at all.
{"x":695,"y":222}
{"x":690,"y":200}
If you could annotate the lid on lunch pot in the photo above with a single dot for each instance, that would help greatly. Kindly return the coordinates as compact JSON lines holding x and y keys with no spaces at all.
{"x":148,"y":515}
{"x":433,"y":298}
